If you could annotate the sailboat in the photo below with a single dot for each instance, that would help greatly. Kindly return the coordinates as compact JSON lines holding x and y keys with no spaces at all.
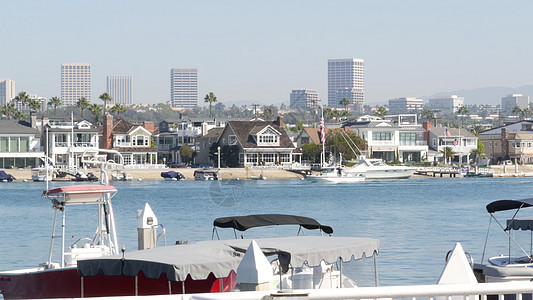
{"x":334,"y":173}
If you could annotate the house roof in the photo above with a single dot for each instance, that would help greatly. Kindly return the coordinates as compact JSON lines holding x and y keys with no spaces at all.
{"x":16,"y":127}
{"x":213,"y":133}
{"x":122,"y":126}
{"x":243,"y":130}
{"x":314,"y":134}
{"x":441,"y":131}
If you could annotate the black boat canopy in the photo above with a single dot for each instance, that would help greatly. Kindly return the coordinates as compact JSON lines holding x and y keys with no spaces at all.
{"x":243,"y":223}
{"x":501,"y":205}
{"x":520,"y":224}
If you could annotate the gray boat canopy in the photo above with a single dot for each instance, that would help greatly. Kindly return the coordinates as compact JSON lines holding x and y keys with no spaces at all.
{"x":502,"y":205}
{"x":520,"y":224}
{"x":220,"y":257}
{"x":243,"y":223}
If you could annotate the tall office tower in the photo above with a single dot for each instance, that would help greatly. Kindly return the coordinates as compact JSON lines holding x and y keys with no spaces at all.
{"x":184,"y":87}
{"x":446,"y":104}
{"x":509,"y":102}
{"x":303,"y":98}
{"x":346,"y":79}
{"x":75,"y":82}
{"x":7,"y":90}
{"x":120,"y":88}
{"x":405,"y":105}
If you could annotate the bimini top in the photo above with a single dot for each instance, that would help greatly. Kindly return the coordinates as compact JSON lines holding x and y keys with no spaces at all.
{"x":243,"y":223}
{"x":81,"y":194}
{"x":520,"y":224}
{"x":501,"y":205}
{"x":220,"y":257}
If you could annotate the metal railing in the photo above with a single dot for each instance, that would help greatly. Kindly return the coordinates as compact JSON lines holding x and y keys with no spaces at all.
{"x":145,"y":167}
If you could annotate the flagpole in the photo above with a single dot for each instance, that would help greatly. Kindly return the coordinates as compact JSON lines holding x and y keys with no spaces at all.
{"x":323,"y":132}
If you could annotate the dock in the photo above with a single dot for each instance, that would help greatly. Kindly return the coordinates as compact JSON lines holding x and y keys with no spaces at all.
{"x":441,"y":171}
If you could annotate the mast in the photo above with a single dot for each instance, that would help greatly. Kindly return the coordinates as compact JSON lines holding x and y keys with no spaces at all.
{"x":323,"y":138}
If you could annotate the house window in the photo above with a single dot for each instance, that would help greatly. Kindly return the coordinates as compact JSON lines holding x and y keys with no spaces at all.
{"x":251,"y":158}
{"x":305,"y":140}
{"x":140,"y":140}
{"x":4,"y":144}
{"x":268,"y":158}
{"x":232,"y":140}
{"x":285,"y":157}
{"x":241,"y":158}
{"x":381,"y":136}
{"x":407,"y":139}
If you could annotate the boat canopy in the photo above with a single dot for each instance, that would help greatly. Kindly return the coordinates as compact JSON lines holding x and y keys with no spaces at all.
{"x":172,"y":174}
{"x":81,"y":194}
{"x":243,"y":223}
{"x":520,"y":224}
{"x":501,"y":205}
{"x":220,"y":257}
{"x":5,"y":176}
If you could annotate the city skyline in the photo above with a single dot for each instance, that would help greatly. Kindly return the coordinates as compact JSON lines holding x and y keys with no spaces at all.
{"x":245,"y":54}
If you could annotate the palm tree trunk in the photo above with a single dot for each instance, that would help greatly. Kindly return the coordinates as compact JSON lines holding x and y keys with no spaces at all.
{"x":82,"y":113}
{"x":210,"y":115}
{"x":55,"y":107}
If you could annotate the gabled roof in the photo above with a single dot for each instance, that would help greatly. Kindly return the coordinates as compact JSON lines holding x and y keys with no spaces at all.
{"x":314,"y":134}
{"x":16,"y":127}
{"x":124,"y":127}
{"x":441,"y":131}
{"x":213,"y":133}
{"x":243,"y":130}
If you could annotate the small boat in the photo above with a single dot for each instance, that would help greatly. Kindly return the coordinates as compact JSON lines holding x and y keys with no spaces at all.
{"x":80,"y":176}
{"x":4,"y":177}
{"x":121,"y":176}
{"x":206,"y":174}
{"x":40,"y":174}
{"x":338,"y":174}
{"x":377,"y":169}
{"x":509,"y":267}
{"x":172,"y":175}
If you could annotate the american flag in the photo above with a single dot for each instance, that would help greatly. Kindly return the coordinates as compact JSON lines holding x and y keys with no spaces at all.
{"x":322,"y":131}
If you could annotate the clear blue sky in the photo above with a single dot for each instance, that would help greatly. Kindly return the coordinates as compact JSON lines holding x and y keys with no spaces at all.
{"x":259,"y":51}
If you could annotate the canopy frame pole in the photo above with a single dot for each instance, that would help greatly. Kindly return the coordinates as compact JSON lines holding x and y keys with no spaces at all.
{"x":53,"y":237}
{"x":510,"y":237}
{"x":182,"y":286}
{"x":376,"y":282}
{"x":82,"y":286}
{"x":299,"y":229}
{"x":137,"y":285}
{"x":221,"y":285}
{"x":169,"y":288}
{"x":340,"y":272}
{"x":486,"y":239}
{"x":63,"y":240}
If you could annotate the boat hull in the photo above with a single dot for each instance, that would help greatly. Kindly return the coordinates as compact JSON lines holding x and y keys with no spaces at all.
{"x":65,"y":283}
{"x":339,"y":179}
{"x":390,"y":173}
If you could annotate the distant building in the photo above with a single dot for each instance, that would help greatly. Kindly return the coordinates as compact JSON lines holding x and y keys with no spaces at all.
{"x":447,"y":104}
{"x":184,"y":87}
{"x":7,"y":90}
{"x":511,"y":141}
{"x":120,"y":88}
{"x":303,"y":98}
{"x":509,"y":102}
{"x":75,"y":82}
{"x":346,"y":79}
{"x":405,"y":105}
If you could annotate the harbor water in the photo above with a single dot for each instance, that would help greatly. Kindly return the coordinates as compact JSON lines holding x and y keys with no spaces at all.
{"x":417,"y":220}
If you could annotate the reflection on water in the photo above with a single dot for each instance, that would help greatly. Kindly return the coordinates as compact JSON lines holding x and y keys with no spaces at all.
{"x":417,"y":220}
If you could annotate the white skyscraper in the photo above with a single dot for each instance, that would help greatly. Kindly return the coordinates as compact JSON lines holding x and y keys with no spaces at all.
{"x":303,"y":98}
{"x":346,"y":79}
{"x":184,"y":87}
{"x":405,"y":105}
{"x":75,"y":82}
{"x":7,"y":90}
{"x":446,"y":104}
{"x":120,"y":88}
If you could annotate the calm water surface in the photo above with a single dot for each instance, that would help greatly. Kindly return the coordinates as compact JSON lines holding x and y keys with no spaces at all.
{"x":417,"y":220}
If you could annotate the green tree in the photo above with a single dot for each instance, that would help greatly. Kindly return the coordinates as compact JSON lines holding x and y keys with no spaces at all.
{"x":448,"y":153}
{"x":311,"y":152}
{"x":83,"y":104}
{"x":186,"y":153}
{"x":96,"y":110}
{"x":336,"y":143}
{"x":55,"y":102}
{"x":480,"y":150}
{"x":517,"y":110}
{"x":23,"y":98}
{"x":526,"y":112}
{"x":210,"y":98}
{"x":268,"y":112}
{"x":118,"y":108}
{"x":35,"y":104}
{"x":106,"y":98}
{"x":230,"y":156}
{"x":19,"y":115}
{"x":381,"y":111}
{"x":345,"y":102}
{"x":8,"y":109}
{"x":429,"y":115}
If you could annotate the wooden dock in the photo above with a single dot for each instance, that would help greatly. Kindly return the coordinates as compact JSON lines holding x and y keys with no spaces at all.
{"x":441,"y":171}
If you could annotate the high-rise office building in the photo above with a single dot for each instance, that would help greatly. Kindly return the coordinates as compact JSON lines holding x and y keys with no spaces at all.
{"x":184,"y":87}
{"x":405,"y":105}
{"x":120,"y":88}
{"x":346,"y":79}
{"x":7,"y":90}
{"x":446,"y":104}
{"x":303,"y":98}
{"x":509,"y":102}
{"x":75,"y":82}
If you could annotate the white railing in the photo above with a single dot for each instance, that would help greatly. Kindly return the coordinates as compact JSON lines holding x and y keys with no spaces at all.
{"x":444,"y":291}
{"x":145,"y":167}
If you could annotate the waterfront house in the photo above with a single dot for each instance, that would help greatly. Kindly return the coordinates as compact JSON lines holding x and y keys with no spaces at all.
{"x":511,"y":141}
{"x":460,"y":140}
{"x":259,"y":143}
{"x":203,"y":146}
{"x":20,"y":144}
{"x":397,"y":137}
{"x":133,"y":141}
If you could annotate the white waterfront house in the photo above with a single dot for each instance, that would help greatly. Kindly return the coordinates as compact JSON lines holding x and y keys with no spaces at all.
{"x":20,"y":145}
{"x":398,"y":137}
{"x":460,"y":140}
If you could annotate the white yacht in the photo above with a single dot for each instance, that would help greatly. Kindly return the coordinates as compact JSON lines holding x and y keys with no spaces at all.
{"x":338,"y":174}
{"x":375,"y":168}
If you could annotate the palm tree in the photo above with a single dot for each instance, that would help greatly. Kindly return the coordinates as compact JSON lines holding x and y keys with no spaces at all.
{"x":211,"y":98}
{"x":55,"y":102}
{"x":23,"y":98}
{"x":83,"y":104}
{"x":381,"y":111}
{"x":344,"y":102}
{"x":462,"y":111}
{"x":95,"y":110}
{"x":448,"y":152}
{"x":267,"y":111}
{"x":19,"y":115}
{"x":328,"y":113}
{"x":106,"y":98}
{"x":118,"y":108}
{"x":35,"y":104}
{"x":517,"y":110}
{"x":526,"y":112}
{"x":7,"y":109}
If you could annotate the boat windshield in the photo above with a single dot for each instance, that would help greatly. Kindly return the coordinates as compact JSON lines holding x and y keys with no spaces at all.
{"x":378,"y":163}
